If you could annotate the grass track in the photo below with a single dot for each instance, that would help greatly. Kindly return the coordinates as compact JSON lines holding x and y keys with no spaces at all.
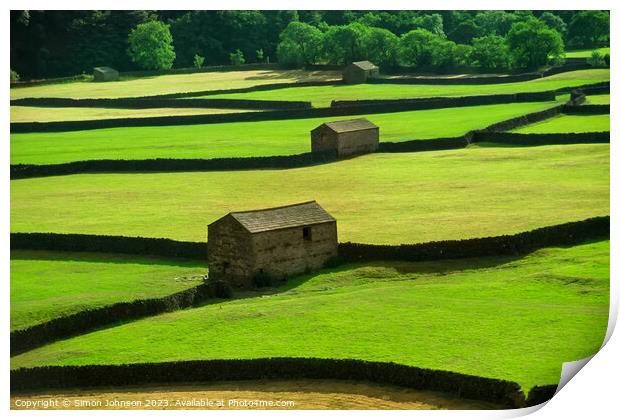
{"x":377,"y":198}
{"x":323,"y":95}
{"x":568,"y":124}
{"x":510,"y":319}
{"x":175,"y":83}
{"x":47,"y":285}
{"x":265,"y":138}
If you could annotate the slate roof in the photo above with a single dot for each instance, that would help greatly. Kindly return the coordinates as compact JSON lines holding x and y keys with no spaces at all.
{"x":105,"y":69}
{"x":301,"y":214}
{"x":349,"y":125}
{"x":364,"y":65}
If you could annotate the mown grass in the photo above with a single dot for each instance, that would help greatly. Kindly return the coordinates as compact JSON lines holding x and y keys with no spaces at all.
{"x":568,"y":124}
{"x":598,"y":99}
{"x":175,"y":83}
{"x":45,"y":114}
{"x":517,"y":320}
{"x":265,"y":138}
{"x":377,"y":198}
{"x":47,"y":285}
{"x":586,"y":53}
{"x":323,"y":95}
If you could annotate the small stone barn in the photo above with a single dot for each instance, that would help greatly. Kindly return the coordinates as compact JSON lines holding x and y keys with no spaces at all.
{"x":359,"y":72}
{"x":347,"y":138}
{"x":105,"y":74}
{"x":277,"y":242}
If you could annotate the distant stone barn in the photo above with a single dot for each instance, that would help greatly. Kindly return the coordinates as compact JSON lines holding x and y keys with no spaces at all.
{"x":277,"y":242}
{"x":105,"y":74}
{"x":359,"y":72}
{"x":347,"y":138}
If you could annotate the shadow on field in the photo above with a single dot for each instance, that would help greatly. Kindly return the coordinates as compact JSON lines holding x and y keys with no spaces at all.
{"x":438,"y":267}
{"x":296,"y":75}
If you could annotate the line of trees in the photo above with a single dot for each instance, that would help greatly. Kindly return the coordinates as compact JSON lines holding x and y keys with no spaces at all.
{"x":528,"y":42}
{"x":63,"y":43}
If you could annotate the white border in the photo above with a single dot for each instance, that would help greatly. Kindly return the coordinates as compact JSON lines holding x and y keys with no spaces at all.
{"x":592,"y":394}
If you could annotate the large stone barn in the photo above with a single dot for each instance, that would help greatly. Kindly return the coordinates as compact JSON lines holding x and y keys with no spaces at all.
{"x":273,"y":243}
{"x":347,"y":138}
{"x":359,"y":72}
{"x":105,"y":74}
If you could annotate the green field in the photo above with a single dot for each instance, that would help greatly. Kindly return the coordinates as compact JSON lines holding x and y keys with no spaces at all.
{"x":323,"y":95}
{"x":266,"y":138}
{"x":47,"y":285}
{"x":511,"y":319}
{"x":568,"y":124}
{"x":45,"y":114}
{"x":598,"y":99}
{"x":377,"y":198}
{"x":587,"y":53}
{"x":174,"y":83}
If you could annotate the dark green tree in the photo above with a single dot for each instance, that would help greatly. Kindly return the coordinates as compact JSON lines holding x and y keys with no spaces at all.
{"x":465,"y":31}
{"x":533,"y":44}
{"x":589,"y":28}
{"x":150,"y":46}
{"x":414,"y":48}
{"x":300,"y":44}
{"x":490,"y":52}
{"x":380,"y":46}
{"x":554,"y":22}
{"x":343,"y":44}
{"x":495,"y":22}
{"x":432,"y":23}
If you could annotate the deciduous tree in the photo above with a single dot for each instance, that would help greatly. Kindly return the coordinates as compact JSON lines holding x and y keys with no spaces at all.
{"x":150,"y":46}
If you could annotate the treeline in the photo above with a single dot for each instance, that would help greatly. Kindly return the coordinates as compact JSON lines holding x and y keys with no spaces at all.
{"x":62,"y":43}
{"x":502,"y":41}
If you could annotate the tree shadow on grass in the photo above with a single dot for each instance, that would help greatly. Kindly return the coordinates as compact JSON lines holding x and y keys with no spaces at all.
{"x":296,"y":75}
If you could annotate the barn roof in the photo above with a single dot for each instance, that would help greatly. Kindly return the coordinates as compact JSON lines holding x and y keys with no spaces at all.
{"x":105,"y":69}
{"x":364,"y":65}
{"x":301,"y":214}
{"x":349,"y":125}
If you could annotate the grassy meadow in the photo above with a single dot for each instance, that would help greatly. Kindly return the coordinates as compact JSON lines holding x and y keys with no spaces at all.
{"x":598,"y":99}
{"x":377,"y":198}
{"x":244,"y":139}
{"x":323,"y":95}
{"x":172,"y":83}
{"x":47,"y":114}
{"x":47,"y":285}
{"x":514,"y":319}
{"x":568,"y":124}
{"x":585,"y":53}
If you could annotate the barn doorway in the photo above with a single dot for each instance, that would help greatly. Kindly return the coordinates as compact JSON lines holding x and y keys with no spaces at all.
{"x":307,"y":233}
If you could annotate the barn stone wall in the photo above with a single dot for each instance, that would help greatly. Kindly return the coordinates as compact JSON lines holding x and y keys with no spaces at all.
{"x":358,"y":142}
{"x":322,"y":140}
{"x":284,"y":253}
{"x":105,"y":74}
{"x":346,"y":144}
{"x":353,"y":74}
{"x":229,"y":253}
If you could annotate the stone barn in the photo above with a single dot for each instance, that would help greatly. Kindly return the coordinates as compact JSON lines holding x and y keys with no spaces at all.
{"x":105,"y":74}
{"x":277,"y":242}
{"x":359,"y":72}
{"x":347,"y":138}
